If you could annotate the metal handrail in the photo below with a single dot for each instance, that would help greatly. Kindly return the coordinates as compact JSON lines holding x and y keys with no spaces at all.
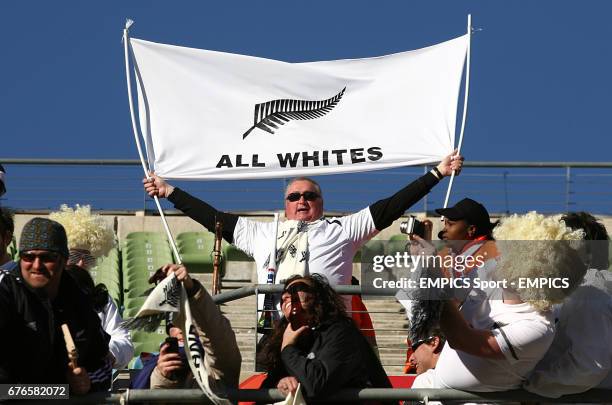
{"x":344,"y":395}
{"x":246,"y":291}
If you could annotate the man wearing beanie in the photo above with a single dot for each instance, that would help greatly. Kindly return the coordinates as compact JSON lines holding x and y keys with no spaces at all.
{"x":36,"y":298}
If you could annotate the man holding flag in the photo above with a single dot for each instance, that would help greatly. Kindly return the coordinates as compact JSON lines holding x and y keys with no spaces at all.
{"x":307,"y":241}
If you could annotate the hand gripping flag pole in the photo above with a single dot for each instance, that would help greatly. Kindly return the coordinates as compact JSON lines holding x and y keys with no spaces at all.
{"x":465,"y":104}
{"x":193,"y":349}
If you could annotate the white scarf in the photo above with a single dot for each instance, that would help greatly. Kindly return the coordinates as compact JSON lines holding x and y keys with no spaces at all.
{"x":292,"y":252}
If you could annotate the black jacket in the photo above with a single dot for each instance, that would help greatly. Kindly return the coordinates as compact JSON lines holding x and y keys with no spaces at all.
{"x":33,"y":350}
{"x":339,"y":357}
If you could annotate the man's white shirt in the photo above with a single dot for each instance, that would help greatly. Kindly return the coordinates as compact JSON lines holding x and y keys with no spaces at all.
{"x":332,"y":244}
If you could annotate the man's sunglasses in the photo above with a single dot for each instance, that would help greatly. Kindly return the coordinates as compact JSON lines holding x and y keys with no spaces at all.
{"x":418,"y":343}
{"x":308,"y":196}
{"x":48,"y":257}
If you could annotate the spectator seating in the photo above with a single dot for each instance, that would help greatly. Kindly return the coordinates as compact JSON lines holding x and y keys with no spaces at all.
{"x":397,"y":243}
{"x":233,"y":254}
{"x":107,"y":272}
{"x":371,"y":249}
{"x":196,"y":250}
{"x":12,"y":249}
{"x":143,"y":254}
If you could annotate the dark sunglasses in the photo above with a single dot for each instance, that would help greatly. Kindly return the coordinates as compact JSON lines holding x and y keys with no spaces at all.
{"x":308,"y":196}
{"x":48,"y":257}
{"x":418,"y":343}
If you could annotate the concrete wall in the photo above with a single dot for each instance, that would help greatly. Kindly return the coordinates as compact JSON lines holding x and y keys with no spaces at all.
{"x":124,"y":224}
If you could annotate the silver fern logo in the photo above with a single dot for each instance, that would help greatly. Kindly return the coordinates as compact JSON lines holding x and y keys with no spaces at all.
{"x":269,"y":116}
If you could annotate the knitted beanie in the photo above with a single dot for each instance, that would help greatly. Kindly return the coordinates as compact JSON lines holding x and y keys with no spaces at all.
{"x":43,"y":234}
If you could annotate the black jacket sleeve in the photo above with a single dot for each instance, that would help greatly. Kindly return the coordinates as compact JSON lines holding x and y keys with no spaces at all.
{"x":203,"y":213}
{"x":384,"y":212}
{"x":326,"y":372}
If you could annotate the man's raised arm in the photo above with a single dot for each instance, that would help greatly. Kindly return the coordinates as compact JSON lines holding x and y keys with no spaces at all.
{"x":193,"y":207}
{"x":385,"y":211}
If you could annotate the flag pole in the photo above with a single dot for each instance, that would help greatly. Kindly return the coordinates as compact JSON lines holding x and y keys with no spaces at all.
{"x":126,"y":45}
{"x":465,"y":104}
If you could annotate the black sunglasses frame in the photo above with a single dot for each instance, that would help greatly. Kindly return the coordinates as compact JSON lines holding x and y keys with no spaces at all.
{"x":49,"y":257}
{"x":308,"y":196}
{"x":419,"y":342}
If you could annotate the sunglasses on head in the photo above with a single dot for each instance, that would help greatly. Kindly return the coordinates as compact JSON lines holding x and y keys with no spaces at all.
{"x":308,"y":196}
{"x":47,"y":257}
{"x":294,"y":288}
{"x":76,"y":256}
{"x":418,"y":343}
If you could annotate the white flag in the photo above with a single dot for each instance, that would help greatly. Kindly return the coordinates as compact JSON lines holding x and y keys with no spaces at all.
{"x":214,"y":115}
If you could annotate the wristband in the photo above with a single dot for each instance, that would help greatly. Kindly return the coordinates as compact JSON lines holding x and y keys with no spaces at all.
{"x":436,"y":173}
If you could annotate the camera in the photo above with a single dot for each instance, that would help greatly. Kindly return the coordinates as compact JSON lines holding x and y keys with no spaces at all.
{"x":173,"y":346}
{"x":413,"y":227}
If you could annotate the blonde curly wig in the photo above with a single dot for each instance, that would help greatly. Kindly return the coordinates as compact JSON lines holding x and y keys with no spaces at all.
{"x":540,"y":257}
{"x":85,"y":231}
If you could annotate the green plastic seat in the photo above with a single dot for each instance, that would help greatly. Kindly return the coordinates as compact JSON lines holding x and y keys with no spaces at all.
{"x":136,"y":291}
{"x":233,"y":254}
{"x":371,"y":249}
{"x":399,"y":237}
{"x":147,"y":341}
{"x":197,"y":237}
{"x":357,"y":257}
{"x":146,"y":236}
{"x":398,"y":245}
{"x":196,"y":250}
{"x":143,"y":266}
{"x":12,"y":249}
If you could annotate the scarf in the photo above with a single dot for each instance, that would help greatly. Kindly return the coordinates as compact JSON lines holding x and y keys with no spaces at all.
{"x":292,"y":252}
{"x":170,"y":296}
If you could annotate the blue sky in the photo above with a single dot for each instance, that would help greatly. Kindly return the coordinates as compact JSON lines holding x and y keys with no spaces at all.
{"x":541,"y":85}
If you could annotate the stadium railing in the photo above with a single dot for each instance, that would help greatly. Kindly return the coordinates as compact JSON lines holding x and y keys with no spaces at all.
{"x":184,"y":396}
{"x":340,"y":396}
{"x":107,"y":184}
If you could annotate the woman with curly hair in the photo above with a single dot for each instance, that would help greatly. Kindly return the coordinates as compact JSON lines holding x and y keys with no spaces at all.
{"x":317,"y":345}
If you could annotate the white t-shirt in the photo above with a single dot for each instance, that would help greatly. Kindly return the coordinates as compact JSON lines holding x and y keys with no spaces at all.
{"x":332,"y":244}
{"x":522,"y":333}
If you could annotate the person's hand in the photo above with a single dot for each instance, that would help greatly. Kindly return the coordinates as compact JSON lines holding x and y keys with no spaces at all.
{"x":168,"y":362}
{"x":420,"y":246}
{"x":287,"y":385}
{"x":78,"y":380}
{"x":178,"y":269}
{"x":290,"y":336}
{"x":454,"y":161}
{"x":156,"y":186}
